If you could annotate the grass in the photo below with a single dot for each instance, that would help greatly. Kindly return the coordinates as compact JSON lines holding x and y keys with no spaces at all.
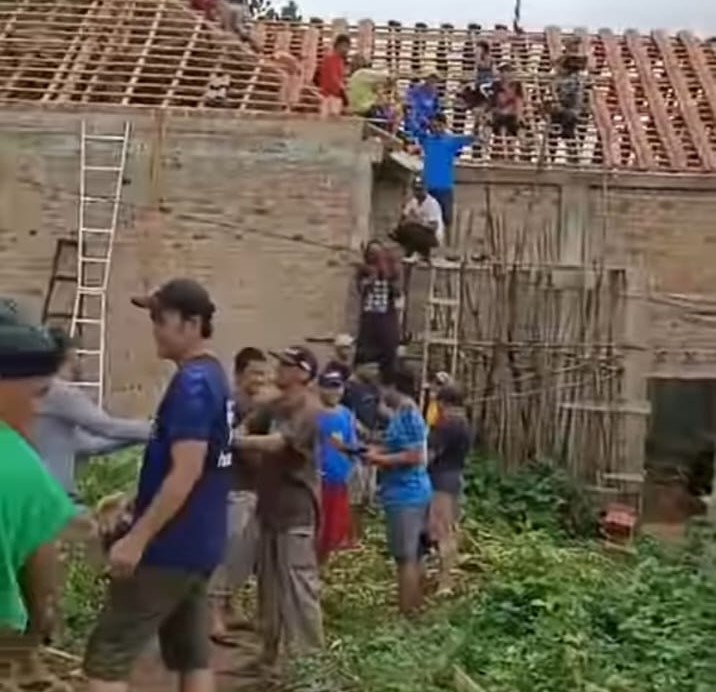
{"x":540,"y":606}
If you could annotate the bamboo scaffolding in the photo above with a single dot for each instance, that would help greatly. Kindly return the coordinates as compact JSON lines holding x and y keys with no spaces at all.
{"x":543,"y":347}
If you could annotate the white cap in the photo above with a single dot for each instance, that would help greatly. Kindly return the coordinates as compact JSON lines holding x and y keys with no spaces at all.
{"x":343,"y":341}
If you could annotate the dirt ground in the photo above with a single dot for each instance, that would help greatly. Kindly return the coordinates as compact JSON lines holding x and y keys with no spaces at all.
{"x":151,"y":676}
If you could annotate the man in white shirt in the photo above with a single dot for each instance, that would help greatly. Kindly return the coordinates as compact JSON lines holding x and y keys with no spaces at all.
{"x":421,"y":226}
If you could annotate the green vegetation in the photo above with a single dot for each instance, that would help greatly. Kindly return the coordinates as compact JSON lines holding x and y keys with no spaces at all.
{"x":542,"y":610}
{"x":540,"y":607}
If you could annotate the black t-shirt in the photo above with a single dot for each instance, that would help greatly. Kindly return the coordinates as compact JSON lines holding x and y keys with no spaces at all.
{"x":450,"y":444}
{"x":243,"y":464}
{"x":364,"y":400}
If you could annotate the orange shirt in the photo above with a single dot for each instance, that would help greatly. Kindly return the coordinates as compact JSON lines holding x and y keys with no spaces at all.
{"x":331,"y":78}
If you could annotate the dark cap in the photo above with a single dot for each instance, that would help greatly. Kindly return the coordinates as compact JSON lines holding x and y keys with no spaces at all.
{"x":26,"y":349}
{"x":331,"y":379}
{"x":186,"y":296}
{"x":298,"y":357}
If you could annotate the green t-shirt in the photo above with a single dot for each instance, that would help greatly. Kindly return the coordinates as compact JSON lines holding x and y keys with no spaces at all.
{"x":34,"y":509}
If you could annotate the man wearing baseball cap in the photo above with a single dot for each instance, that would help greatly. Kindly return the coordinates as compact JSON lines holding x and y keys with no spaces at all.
{"x":33,"y":506}
{"x":161,"y":567}
{"x":342,"y":359}
{"x":285,"y":432}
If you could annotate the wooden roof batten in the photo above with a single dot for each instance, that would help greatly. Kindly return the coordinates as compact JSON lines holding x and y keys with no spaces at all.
{"x":650,"y":111}
{"x":156,"y":53}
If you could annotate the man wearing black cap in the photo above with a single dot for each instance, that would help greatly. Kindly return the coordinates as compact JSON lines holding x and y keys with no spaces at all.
{"x":161,"y":567}
{"x":285,"y":432}
{"x":33,"y":507}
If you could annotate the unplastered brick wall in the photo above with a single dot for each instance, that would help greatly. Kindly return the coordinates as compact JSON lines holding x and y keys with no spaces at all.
{"x":267,"y":213}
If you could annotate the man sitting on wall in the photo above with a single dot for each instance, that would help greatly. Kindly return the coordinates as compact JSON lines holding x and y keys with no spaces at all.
{"x":421,"y":226}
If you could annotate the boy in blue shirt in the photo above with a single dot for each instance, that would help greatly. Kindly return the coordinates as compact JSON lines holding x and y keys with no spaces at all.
{"x":161,"y":567}
{"x":440,"y":149}
{"x":404,"y":485}
{"x":337,"y":436}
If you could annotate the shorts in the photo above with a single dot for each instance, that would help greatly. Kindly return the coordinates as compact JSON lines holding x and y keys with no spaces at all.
{"x":407,"y":532}
{"x":503,"y":124}
{"x":154,"y":600}
{"x":566,"y":121}
{"x":335,"y":529}
{"x":445,"y":199}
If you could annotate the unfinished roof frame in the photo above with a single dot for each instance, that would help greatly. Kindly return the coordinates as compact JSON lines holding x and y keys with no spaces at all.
{"x":155,"y":53}
{"x":652,"y":98}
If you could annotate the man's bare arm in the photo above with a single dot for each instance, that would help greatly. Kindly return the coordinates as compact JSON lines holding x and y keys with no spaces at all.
{"x":271,"y":443}
{"x":188,"y":458}
{"x":38,"y":581}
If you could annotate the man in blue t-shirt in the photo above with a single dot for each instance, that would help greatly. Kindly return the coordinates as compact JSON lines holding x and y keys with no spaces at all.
{"x":440,"y":149}
{"x":161,"y":567}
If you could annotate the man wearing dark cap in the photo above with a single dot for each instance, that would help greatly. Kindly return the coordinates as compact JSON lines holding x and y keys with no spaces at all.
{"x":285,"y":432}
{"x":33,"y":507}
{"x":161,"y":567}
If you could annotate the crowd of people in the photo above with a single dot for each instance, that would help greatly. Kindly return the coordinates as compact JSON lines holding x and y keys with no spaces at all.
{"x":495,"y":94}
{"x":267,"y":478}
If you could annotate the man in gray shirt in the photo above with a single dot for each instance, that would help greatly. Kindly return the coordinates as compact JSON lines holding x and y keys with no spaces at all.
{"x":69,"y":425}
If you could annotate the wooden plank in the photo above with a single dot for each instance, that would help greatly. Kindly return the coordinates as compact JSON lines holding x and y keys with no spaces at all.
{"x":672,"y":143}
{"x":79,"y":40}
{"x":249,"y":88}
{"x":190,"y":46}
{"x":120,"y":29}
{"x":640,"y":143}
{"x":698,"y":62}
{"x":129,"y":91}
{"x":686,"y":104}
{"x":629,"y":408}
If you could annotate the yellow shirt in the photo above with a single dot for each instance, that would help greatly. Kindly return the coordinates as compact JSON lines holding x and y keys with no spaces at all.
{"x":431,"y":415}
{"x":363,"y":87}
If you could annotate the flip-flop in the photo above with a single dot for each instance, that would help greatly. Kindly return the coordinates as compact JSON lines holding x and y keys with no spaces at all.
{"x":225,"y":640}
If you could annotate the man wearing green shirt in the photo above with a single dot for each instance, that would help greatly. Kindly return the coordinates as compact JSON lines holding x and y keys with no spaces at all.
{"x":34,"y":509}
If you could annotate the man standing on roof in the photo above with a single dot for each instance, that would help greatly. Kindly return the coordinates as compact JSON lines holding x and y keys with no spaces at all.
{"x":161,"y":567}
{"x":440,"y":149}
{"x":285,"y":432}
{"x":331,"y":78}
{"x":422,"y":105}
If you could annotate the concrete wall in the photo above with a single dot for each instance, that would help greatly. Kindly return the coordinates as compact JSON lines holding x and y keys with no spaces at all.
{"x":265,"y":212}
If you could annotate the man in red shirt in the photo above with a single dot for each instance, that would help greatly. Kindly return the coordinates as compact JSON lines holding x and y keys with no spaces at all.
{"x":331,"y":78}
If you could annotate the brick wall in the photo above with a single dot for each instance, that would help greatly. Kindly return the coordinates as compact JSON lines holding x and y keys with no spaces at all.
{"x":223,"y":200}
{"x":667,"y":231}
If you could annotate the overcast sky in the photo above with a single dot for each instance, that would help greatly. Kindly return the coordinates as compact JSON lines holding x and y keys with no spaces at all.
{"x":696,"y":15}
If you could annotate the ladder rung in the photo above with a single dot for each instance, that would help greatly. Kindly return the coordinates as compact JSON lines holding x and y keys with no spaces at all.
{"x":64,"y":277}
{"x":106,"y":169}
{"x":434,"y":340}
{"x":91,"y":290}
{"x":104,"y":138}
{"x":100,"y":231}
{"x":85,"y":384}
{"x":89,"y":198}
{"x":88,"y":320}
{"x":88,"y":352}
{"x":58,"y":315}
{"x":94,"y":260}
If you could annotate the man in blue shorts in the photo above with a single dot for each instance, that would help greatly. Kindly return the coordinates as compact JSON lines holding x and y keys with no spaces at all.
{"x":161,"y":567}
